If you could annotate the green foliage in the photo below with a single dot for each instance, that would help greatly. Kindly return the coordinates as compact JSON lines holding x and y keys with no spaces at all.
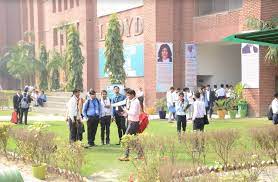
{"x":114,"y":52}
{"x":43,"y":69}
{"x":254,"y":23}
{"x":20,"y":62}
{"x":161,"y":104}
{"x":4,"y":136}
{"x":231,"y":104}
{"x":239,"y":87}
{"x":53,"y":67}
{"x":75,"y":59}
{"x":220,"y":104}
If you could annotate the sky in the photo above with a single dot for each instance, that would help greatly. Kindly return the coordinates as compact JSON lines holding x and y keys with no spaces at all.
{"x":105,"y":7}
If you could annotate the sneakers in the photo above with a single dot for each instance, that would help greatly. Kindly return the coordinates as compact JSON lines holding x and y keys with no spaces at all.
{"x":90,"y":145}
{"x":124,"y":159}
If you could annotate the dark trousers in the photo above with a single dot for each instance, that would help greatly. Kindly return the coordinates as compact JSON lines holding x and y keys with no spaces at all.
{"x":120,"y":121}
{"x":40,"y":101}
{"x":132,"y":129}
{"x":275,"y":119}
{"x":181,"y":122}
{"x":76,"y":130}
{"x":73,"y":136}
{"x":105,"y":126}
{"x":92,"y":125}
{"x":25,"y":113}
{"x":198,"y":124}
{"x":209,"y":109}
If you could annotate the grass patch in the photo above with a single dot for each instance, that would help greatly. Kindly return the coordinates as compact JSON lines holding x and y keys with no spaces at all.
{"x":104,"y":158}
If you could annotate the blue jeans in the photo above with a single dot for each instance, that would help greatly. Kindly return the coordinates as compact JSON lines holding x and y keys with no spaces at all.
{"x":275,"y":119}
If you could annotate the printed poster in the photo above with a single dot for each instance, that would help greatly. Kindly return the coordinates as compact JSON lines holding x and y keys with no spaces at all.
{"x":250,"y":65}
{"x":190,"y":66}
{"x":164,"y":66}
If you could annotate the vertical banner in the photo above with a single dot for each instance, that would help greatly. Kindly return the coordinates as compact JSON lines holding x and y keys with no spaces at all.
{"x":190,"y":65}
{"x":164,"y":66}
{"x":250,"y":65}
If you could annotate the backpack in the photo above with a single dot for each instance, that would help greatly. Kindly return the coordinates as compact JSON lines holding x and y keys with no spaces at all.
{"x":143,"y":122}
{"x":88,"y":103}
{"x":24,"y":102}
{"x":270,"y":113}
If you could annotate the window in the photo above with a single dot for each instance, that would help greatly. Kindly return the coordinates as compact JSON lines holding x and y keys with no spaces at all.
{"x":77,"y":26}
{"x":71,"y":3}
{"x":55,"y":37}
{"x":59,"y":5}
{"x":205,"y":7}
{"x":61,"y":39}
{"x":65,"y":4}
{"x":54,"y":6}
{"x":77,"y":2}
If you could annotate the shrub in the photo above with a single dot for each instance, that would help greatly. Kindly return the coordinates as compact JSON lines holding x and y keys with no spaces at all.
{"x":161,"y":104}
{"x":222,"y":143}
{"x":69,"y":156}
{"x":220,"y":104}
{"x":195,"y":146}
{"x":267,"y":140}
{"x":4,"y":136}
{"x":150,"y":110}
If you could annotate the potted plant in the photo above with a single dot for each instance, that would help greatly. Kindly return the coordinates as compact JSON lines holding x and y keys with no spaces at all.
{"x":232,"y":107}
{"x":38,"y":168}
{"x":242,"y":108}
{"x":161,"y":106}
{"x":220,"y":107}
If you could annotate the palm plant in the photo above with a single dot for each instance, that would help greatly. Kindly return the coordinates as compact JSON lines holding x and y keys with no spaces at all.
{"x":53,"y":66}
{"x":254,"y":23}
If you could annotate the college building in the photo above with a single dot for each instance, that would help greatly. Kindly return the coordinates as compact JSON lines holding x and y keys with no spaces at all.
{"x":166,"y":42}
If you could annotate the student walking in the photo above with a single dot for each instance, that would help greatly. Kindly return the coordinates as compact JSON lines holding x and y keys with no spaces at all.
{"x":132,"y":111}
{"x":199,"y":112}
{"x":73,"y":115}
{"x":24,"y":105}
{"x":181,"y":107}
{"x":274,"y":106}
{"x":221,"y":92}
{"x":170,"y":103}
{"x":105,"y":119}
{"x":92,"y":111}
{"x":211,"y":97}
{"x":117,"y":113}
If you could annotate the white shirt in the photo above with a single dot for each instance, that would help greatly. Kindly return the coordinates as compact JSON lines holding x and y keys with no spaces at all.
{"x":208,"y":94}
{"x":140,"y":93}
{"x":176,"y":97}
{"x":170,"y":98}
{"x":104,"y":110}
{"x":274,"y":106}
{"x":199,"y":109}
{"x":72,"y":109}
{"x":133,"y":109}
{"x":221,"y":92}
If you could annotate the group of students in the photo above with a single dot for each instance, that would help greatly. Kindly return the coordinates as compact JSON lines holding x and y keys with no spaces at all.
{"x":123,"y":108}
{"x":197,"y":106}
{"x":22,"y":101}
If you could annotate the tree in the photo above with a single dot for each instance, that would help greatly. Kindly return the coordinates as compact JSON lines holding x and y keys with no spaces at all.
{"x":53,"y":67}
{"x":20,"y":62}
{"x":74,"y":59}
{"x":254,"y":23}
{"x":43,"y":68}
{"x":114,"y":65}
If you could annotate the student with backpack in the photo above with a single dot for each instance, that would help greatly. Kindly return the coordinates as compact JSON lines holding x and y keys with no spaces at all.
{"x":105,"y":119}
{"x":24,"y":104}
{"x":92,"y":111}
{"x":181,"y":107}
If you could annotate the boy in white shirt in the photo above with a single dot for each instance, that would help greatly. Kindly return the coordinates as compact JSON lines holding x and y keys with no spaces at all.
{"x":105,"y":119}
{"x":170,"y":103}
{"x":199,"y":112}
{"x":274,"y":106}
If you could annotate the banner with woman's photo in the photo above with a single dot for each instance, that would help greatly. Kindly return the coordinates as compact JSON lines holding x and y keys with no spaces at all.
{"x":164,"y":66}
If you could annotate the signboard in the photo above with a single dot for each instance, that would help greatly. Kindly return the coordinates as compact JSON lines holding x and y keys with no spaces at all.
{"x":250,"y":65}
{"x":164,"y":66}
{"x":190,"y":66}
{"x":134,"y":61}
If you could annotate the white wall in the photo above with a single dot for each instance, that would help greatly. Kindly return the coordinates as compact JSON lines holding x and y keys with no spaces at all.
{"x":106,"y":7}
{"x":221,"y":62}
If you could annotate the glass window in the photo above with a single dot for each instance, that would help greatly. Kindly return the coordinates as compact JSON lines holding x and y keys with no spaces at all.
{"x":61,"y":39}
{"x":71,"y":3}
{"x":220,"y":5}
{"x":55,"y":37}
{"x":59,"y":5}
{"x":65,"y":4}
{"x":235,"y":4}
{"x":77,"y":2}
{"x":54,"y":6}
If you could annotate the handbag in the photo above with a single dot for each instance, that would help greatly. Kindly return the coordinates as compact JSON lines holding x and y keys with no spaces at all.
{"x":206,"y":121}
{"x":14,"y":118}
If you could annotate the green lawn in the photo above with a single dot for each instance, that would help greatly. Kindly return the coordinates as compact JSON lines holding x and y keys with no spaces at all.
{"x":9,"y":113}
{"x":104,"y":158}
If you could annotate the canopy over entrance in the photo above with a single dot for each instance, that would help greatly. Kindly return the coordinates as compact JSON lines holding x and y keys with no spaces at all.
{"x":262,"y":37}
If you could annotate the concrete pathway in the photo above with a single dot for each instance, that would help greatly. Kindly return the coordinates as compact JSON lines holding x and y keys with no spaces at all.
{"x":37,"y":118}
